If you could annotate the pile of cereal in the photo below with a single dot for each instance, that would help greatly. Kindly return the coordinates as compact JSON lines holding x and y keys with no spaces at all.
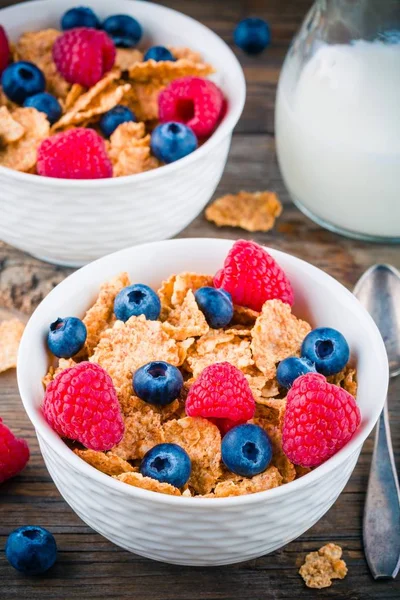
{"x":87,"y":103}
{"x":210,"y":387}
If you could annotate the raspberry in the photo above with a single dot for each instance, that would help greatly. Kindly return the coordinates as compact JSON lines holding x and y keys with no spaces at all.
{"x":252,"y":276}
{"x":320,"y":419}
{"x":83,"y":55}
{"x":194,"y":101}
{"x":4,"y":50}
{"x":74,"y":154}
{"x":223,"y":395}
{"x":14,"y":453}
{"x":81,"y":404}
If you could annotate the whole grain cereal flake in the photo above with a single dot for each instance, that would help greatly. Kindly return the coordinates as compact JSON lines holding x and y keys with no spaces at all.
{"x":10,"y":336}
{"x":100,"y":98}
{"x":173,"y":290}
{"x":147,"y":483}
{"x":21,"y":154}
{"x":276,"y":335}
{"x":252,"y":211}
{"x":210,"y":349}
{"x":235,"y":486}
{"x":100,"y":316}
{"x":186,"y":320}
{"x":10,"y":129}
{"x":63,"y":363}
{"x":142,"y":431}
{"x":106,"y":462}
{"x":129,"y":150}
{"x":166,"y":71}
{"x":125,"y":347}
{"x":321,"y":567}
{"x":347,"y":379}
{"x":202,"y":441}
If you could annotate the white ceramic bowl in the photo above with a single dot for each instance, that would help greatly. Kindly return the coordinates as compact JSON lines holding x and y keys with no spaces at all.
{"x":196,"y":531}
{"x":72,"y":222}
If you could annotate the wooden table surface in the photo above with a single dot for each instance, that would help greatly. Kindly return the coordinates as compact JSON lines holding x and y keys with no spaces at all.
{"x":88,"y":565}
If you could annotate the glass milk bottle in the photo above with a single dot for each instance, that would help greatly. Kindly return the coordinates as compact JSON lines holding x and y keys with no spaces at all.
{"x":338,"y":118}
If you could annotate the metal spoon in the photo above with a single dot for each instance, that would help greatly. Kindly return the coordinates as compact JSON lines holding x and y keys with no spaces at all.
{"x":379,"y":291}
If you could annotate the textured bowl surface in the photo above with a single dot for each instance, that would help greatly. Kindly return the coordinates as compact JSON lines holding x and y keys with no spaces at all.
{"x":73,"y":222}
{"x":196,"y":531}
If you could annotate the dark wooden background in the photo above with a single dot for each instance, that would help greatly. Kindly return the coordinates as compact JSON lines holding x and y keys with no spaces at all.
{"x":88,"y":565}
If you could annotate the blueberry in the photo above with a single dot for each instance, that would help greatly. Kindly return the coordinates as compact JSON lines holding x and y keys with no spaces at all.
{"x":47,"y":104}
{"x":172,"y":141}
{"x":114,"y":117}
{"x":22,"y":79}
{"x":168,"y":463}
{"x":216,"y":305}
{"x":136,"y":300}
{"x":291,"y":368}
{"x":246,"y":450}
{"x":327,"y":349}
{"x":124,"y":30}
{"x":159,"y":53}
{"x":31,"y":550}
{"x":158,"y":383}
{"x":66,"y":337}
{"x":252,"y":35}
{"x":80,"y":16}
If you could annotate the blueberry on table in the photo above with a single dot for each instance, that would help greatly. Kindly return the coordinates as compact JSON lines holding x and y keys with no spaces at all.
{"x":80,"y":16}
{"x":291,"y":368}
{"x":246,"y":450}
{"x":158,"y":382}
{"x":327,"y":349}
{"x":216,"y":305}
{"x":45,"y":103}
{"x":168,"y":463}
{"x":31,"y":550}
{"x":115,"y":117}
{"x":124,"y":30}
{"x":66,"y":337}
{"x":135,"y":300}
{"x":252,"y":35}
{"x":158,"y":53}
{"x":172,"y":141}
{"x":22,"y":79}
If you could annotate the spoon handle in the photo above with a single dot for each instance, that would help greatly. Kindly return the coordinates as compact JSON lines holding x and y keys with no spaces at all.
{"x":381,"y":527}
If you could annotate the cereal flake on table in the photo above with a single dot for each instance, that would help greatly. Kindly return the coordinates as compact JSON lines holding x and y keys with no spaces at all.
{"x":10,"y":336}
{"x":321,"y":567}
{"x":252,"y":211}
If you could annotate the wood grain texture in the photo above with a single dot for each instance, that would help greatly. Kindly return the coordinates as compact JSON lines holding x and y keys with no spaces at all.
{"x":88,"y":565}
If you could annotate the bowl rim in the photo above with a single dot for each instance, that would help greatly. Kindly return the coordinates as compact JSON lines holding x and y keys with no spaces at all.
{"x":224,"y":129}
{"x":51,"y":438}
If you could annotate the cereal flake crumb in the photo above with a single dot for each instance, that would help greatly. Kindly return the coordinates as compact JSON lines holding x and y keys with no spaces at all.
{"x":147,"y":483}
{"x":254,"y":211}
{"x":126,"y":57}
{"x":321,"y":567}
{"x":63,"y":363}
{"x":276,"y":335}
{"x":10,"y":336}
{"x":202,"y":441}
{"x":106,"y":462}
